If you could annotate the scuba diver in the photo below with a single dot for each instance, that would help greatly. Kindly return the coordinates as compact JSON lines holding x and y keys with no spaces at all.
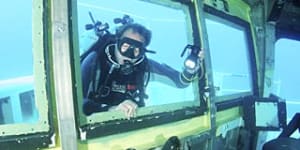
{"x":117,"y":70}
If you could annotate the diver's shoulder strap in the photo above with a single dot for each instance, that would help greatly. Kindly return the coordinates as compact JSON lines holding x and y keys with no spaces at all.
{"x":99,"y":48}
{"x":144,"y":80}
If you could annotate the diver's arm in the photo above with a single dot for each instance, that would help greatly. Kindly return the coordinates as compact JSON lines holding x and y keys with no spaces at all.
{"x":87,"y":67}
{"x":169,"y":75}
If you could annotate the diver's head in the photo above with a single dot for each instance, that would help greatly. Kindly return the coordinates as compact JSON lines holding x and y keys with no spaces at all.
{"x":132,"y":40}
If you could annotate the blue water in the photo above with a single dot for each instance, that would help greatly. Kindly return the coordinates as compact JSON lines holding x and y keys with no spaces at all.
{"x":16,"y":42}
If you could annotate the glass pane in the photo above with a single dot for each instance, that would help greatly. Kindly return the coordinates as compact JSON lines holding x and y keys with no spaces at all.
{"x":286,"y":74}
{"x":169,"y":37}
{"x":17,"y":103}
{"x":229,"y":58}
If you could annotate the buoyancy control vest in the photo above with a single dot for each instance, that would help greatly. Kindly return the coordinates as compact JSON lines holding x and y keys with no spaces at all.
{"x":108,"y":85}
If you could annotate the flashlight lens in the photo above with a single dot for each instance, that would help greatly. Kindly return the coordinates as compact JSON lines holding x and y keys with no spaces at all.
{"x":190,"y":64}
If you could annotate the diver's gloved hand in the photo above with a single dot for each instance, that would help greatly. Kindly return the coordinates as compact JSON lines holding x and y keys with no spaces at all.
{"x":128,"y":107}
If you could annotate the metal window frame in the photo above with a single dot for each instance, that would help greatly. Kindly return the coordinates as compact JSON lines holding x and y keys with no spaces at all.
{"x":39,"y":134}
{"x":92,"y":126}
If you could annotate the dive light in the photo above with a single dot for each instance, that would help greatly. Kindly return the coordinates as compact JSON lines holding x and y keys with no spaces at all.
{"x":192,"y":60}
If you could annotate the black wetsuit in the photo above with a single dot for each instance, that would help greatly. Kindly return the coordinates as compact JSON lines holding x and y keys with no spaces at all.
{"x":117,"y":87}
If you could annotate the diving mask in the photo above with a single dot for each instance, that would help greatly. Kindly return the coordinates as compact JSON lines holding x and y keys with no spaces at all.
{"x":131,"y":48}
